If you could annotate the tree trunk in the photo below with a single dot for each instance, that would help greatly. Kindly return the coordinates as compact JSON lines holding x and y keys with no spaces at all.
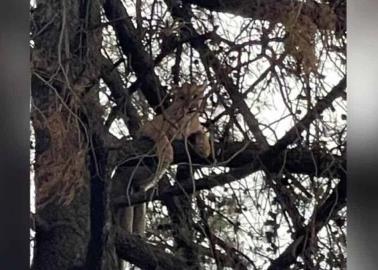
{"x":70,"y":158}
{"x":181,"y":214}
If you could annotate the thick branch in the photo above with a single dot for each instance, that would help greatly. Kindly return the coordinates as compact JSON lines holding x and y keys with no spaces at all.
{"x":146,"y":256}
{"x":121,"y":95}
{"x":133,"y":48}
{"x":273,"y":10}
{"x":244,"y":162}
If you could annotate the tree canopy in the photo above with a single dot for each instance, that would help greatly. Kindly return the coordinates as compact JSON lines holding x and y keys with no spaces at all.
{"x":272,"y":194}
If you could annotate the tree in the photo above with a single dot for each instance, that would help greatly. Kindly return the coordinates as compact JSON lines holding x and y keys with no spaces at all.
{"x":273,"y":193}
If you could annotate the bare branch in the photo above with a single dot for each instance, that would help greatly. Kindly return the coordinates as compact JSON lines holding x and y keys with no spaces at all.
{"x":314,"y":113}
{"x":335,"y":202}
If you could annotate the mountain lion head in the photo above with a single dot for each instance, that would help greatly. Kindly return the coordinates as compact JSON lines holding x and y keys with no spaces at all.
{"x":189,"y":97}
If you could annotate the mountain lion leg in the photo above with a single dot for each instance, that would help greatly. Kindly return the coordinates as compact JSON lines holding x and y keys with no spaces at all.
{"x":126,"y":217}
{"x":164,"y":152}
{"x":139,"y":221}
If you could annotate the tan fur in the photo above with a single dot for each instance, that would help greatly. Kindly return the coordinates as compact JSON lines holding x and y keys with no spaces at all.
{"x":177,"y":122}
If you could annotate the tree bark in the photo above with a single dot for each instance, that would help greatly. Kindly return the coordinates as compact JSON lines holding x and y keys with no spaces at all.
{"x":71,"y":161}
{"x":181,"y":214}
